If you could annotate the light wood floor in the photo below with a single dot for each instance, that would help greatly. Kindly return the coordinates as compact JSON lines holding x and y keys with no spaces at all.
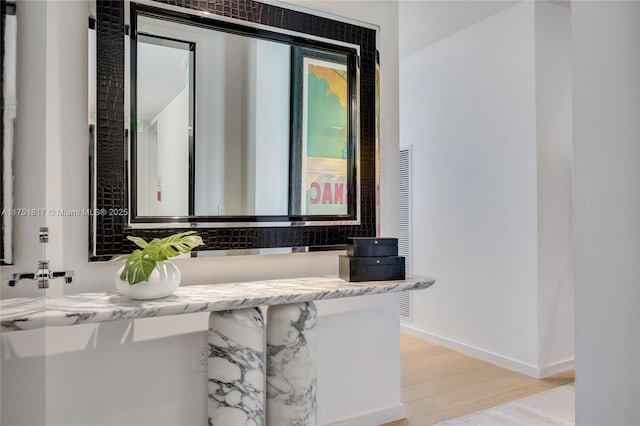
{"x":440,"y":384}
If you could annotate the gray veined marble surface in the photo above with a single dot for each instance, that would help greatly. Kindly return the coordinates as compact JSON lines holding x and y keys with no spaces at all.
{"x":83,"y":308}
{"x":292,"y":379}
{"x":236,"y":368}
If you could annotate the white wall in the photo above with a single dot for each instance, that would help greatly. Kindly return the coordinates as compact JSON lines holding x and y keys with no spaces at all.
{"x":554,"y":157}
{"x":492,"y":187}
{"x":22,"y":363}
{"x":606,"y":103}
{"x":173,"y":156}
{"x":113,"y":374}
{"x":425,"y":22}
{"x":468,"y":109}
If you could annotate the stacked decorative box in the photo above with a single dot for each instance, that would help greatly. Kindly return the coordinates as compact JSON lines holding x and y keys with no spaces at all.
{"x":372,"y":259}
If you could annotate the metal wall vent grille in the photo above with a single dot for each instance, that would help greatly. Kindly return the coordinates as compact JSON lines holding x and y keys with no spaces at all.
{"x":404,"y":239}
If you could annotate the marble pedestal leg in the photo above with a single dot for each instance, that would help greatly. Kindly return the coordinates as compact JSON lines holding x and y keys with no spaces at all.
{"x":291,"y":373}
{"x":236,"y":368}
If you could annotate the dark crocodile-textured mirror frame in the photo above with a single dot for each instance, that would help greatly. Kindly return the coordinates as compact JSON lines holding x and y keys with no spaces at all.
{"x":109,"y":187}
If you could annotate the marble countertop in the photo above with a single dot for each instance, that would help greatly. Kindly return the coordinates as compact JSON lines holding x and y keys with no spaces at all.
{"x":85,"y":308}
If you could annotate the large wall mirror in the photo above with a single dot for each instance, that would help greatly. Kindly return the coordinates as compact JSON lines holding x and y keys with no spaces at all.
{"x":8,"y":64}
{"x":253,"y":123}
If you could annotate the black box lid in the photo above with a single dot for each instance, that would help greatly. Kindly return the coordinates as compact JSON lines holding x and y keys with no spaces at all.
{"x":372,"y":247}
{"x":368,"y":241}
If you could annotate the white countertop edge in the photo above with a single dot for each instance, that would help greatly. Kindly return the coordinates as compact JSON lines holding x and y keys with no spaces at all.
{"x":87,"y":308}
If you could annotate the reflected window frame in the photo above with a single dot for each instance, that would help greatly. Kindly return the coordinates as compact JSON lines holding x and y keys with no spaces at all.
{"x":158,"y":40}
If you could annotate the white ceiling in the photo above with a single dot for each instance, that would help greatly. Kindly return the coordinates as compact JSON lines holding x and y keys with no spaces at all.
{"x":424,"y":22}
{"x":161,"y":70}
{"x":162,"y":74}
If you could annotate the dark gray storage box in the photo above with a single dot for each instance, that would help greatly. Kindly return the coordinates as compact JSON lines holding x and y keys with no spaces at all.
{"x":372,"y":247}
{"x":371,"y":268}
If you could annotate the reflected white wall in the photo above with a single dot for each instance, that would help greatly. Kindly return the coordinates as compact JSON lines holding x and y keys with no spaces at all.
{"x":209,"y":123}
{"x":269,"y":108}
{"x":233,"y":141}
{"x":173,"y":157}
{"x":147,"y":169}
{"x":241,"y":122}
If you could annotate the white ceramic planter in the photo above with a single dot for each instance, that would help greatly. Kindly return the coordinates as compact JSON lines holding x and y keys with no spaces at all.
{"x":163,"y":281}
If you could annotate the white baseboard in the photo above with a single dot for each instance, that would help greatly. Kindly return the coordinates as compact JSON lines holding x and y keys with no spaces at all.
{"x":493,"y":358}
{"x":376,"y":418}
{"x":557,"y":368}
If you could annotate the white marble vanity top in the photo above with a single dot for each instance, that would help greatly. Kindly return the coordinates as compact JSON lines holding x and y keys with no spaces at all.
{"x":84,"y":308}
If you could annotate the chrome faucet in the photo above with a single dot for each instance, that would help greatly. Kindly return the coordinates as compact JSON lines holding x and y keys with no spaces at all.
{"x":43,"y":274}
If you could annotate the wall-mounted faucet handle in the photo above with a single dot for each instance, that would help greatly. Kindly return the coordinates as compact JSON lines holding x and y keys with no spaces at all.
{"x":18,"y":277}
{"x":43,"y":275}
{"x":67,"y":275}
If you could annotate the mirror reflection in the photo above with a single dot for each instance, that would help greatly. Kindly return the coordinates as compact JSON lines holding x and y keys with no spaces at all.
{"x":230,"y":125}
{"x":9,"y":101}
{"x":164,"y":125}
{"x":320,"y":123}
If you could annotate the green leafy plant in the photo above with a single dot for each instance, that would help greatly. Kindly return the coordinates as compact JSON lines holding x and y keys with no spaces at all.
{"x":141,"y":262}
